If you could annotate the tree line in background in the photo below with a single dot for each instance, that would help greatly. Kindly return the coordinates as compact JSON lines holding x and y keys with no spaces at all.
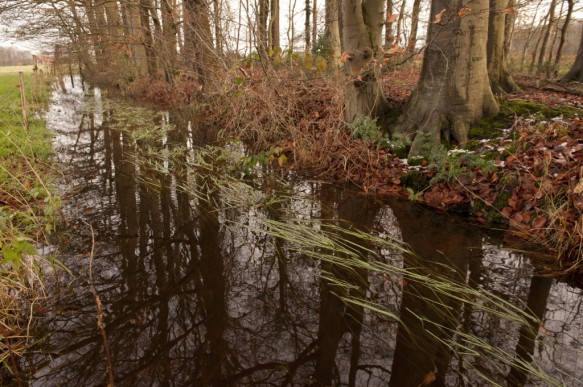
{"x":465,"y":47}
{"x":10,"y":56}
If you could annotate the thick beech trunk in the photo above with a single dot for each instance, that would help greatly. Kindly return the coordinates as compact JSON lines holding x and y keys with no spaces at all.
{"x":362,"y":27}
{"x":500,"y":79}
{"x":576,"y":71}
{"x":454,"y":89}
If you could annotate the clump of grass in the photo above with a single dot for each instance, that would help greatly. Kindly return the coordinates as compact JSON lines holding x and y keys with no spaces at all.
{"x":27,"y":212}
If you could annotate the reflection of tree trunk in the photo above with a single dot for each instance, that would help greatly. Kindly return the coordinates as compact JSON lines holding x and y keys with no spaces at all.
{"x":419,"y":349}
{"x":213,"y":294}
{"x":336,"y":317}
{"x":538,"y":296}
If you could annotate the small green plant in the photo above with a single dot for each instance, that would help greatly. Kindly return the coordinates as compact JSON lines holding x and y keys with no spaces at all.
{"x":449,"y":165}
{"x":400,"y":144}
{"x":367,"y":129}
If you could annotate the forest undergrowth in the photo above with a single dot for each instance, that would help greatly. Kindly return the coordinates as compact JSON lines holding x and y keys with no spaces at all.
{"x":521,"y":170}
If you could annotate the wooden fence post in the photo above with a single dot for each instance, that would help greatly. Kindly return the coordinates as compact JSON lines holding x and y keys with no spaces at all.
{"x":35,"y":76}
{"x":23,"y":99}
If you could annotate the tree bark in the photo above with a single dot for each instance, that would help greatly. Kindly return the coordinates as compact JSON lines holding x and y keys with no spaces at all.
{"x":308,"y":32}
{"x":564,"y":29}
{"x":135,"y":37}
{"x":169,"y":45}
{"x":389,"y":37}
{"x":414,"y":25}
{"x":453,"y":89}
{"x":576,"y":71}
{"x":314,"y":22}
{"x":400,"y":22}
{"x":148,"y":38}
{"x":531,"y":31}
{"x":199,"y":41}
{"x":274,"y":43}
{"x":333,"y":31}
{"x":362,"y":28}
{"x":500,"y":79}
{"x":262,"y":30}
{"x":546,"y":37}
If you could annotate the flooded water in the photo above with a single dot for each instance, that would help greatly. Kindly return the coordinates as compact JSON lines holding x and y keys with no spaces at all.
{"x":212,"y":272}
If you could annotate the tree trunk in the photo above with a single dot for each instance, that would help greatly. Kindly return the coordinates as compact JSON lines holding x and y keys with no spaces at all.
{"x":546,"y":37}
{"x":217,"y":6}
{"x":400,"y":22}
{"x":262,"y":36}
{"x":333,"y":31}
{"x":274,"y":43}
{"x":414,"y":25}
{"x":563,"y":35}
{"x":362,"y":28}
{"x":389,"y":37}
{"x":199,"y":40}
{"x":314,"y":21}
{"x":95,"y":33}
{"x":509,"y":28}
{"x":136,"y":38}
{"x":500,"y":79}
{"x":308,"y":32}
{"x":148,"y":38}
{"x":169,"y":43}
{"x":453,"y":89}
{"x":576,"y":72}
{"x":531,"y":31}
{"x":541,"y":25}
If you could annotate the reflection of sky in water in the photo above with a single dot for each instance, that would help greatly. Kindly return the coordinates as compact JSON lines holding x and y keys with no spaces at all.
{"x":169,"y":306}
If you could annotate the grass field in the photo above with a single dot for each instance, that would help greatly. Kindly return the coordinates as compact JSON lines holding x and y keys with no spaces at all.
{"x":15,"y":69}
{"x":27,"y":207}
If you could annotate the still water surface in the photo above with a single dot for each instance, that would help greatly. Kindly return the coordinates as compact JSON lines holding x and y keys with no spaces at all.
{"x":198,"y":292}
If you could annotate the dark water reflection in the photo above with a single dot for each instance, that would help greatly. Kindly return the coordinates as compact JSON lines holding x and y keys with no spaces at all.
{"x":195,"y":295}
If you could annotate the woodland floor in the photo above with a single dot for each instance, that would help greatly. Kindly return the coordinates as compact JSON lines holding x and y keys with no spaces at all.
{"x":534,"y":187}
